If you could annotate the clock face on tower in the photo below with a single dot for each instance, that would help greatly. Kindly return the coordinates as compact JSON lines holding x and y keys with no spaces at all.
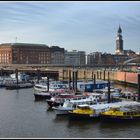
{"x":118,"y":38}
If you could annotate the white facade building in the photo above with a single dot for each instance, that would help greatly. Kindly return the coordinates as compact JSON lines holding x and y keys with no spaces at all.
{"x":75,"y":57}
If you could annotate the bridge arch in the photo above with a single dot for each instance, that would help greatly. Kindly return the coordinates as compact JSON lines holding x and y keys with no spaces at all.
{"x":130,"y":60}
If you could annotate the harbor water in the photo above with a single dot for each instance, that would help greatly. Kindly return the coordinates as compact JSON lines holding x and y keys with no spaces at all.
{"x":23,"y":117}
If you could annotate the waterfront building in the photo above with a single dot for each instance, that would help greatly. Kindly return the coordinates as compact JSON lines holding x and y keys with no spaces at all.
{"x":107,"y":58}
{"x":75,"y":57}
{"x":94,"y":58}
{"x":57,"y":55}
{"x":24,"y":53}
{"x":98,"y":58}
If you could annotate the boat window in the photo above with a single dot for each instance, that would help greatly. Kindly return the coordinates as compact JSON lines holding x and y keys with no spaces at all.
{"x":124,"y":113}
{"x":91,"y":103}
{"x":128,"y":113}
{"x":135,"y":113}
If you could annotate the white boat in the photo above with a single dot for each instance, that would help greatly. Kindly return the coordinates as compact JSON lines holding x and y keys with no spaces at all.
{"x":116,"y":104}
{"x":21,"y":76}
{"x":60,"y":99}
{"x":114,"y":92}
{"x":72,"y":104}
{"x":42,"y":86}
{"x":1,"y":82}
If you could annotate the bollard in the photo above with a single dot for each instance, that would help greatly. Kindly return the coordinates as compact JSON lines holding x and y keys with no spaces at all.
{"x":48,"y":83}
{"x":100,"y":75}
{"x":16,"y":71}
{"x":125,"y":83}
{"x":73,"y":77}
{"x":92,"y":75}
{"x":108,"y":91}
{"x":76,"y":76}
{"x":94,"y":81}
{"x":63,"y":76}
{"x":85,"y":75}
{"x":138,"y":87}
{"x":104,"y":75}
{"x":69,"y":79}
{"x":108,"y":75}
{"x":38,"y":75}
{"x":97,"y":75}
{"x":1,"y":72}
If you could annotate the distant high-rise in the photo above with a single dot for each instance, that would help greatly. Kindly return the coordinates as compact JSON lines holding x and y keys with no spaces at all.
{"x":119,"y":42}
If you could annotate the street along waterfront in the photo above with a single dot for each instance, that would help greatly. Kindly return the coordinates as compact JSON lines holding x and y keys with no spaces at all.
{"x":23,"y":117}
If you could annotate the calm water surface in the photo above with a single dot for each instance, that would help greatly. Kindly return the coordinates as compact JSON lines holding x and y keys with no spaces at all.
{"x":22,"y":117}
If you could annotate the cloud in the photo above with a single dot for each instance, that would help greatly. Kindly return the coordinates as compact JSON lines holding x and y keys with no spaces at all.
{"x":88,"y":26}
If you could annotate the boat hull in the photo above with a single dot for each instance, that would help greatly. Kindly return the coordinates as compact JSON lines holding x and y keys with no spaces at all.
{"x":52,"y":104}
{"x":75,"y":116}
{"x":42,"y":97}
{"x":61,"y":111}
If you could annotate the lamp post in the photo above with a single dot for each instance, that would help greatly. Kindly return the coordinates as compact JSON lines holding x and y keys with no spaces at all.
{"x":1,"y":71}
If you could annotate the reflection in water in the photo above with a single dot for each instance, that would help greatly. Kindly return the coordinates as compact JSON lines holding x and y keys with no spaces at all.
{"x":82,"y":123}
{"x":120,"y":130}
{"x":39,"y":101}
{"x":108,"y":125}
{"x":17,"y":93}
{"x":49,"y":109}
{"x":60,"y":118}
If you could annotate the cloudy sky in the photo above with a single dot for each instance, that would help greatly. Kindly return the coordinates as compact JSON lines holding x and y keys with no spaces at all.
{"x":85,"y":26}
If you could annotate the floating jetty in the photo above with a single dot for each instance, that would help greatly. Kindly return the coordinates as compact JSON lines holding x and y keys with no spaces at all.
{"x":19,"y":85}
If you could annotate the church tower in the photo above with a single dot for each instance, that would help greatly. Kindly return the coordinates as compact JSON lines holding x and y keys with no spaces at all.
{"x":119,"y":42}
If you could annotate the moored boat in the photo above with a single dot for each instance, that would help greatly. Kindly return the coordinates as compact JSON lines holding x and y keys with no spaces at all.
{"x":78,"y":114}
{"x":129,"y":113}
{"x":42,"y":86}
{"x":46,"y":95}
{"x":85,"y":112}
{"x":60,"y":99}
{"x":73,"y":103}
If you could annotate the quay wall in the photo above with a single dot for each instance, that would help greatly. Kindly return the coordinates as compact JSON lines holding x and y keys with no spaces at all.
{"x":83,"y":74}
{"x":118,"y":76}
